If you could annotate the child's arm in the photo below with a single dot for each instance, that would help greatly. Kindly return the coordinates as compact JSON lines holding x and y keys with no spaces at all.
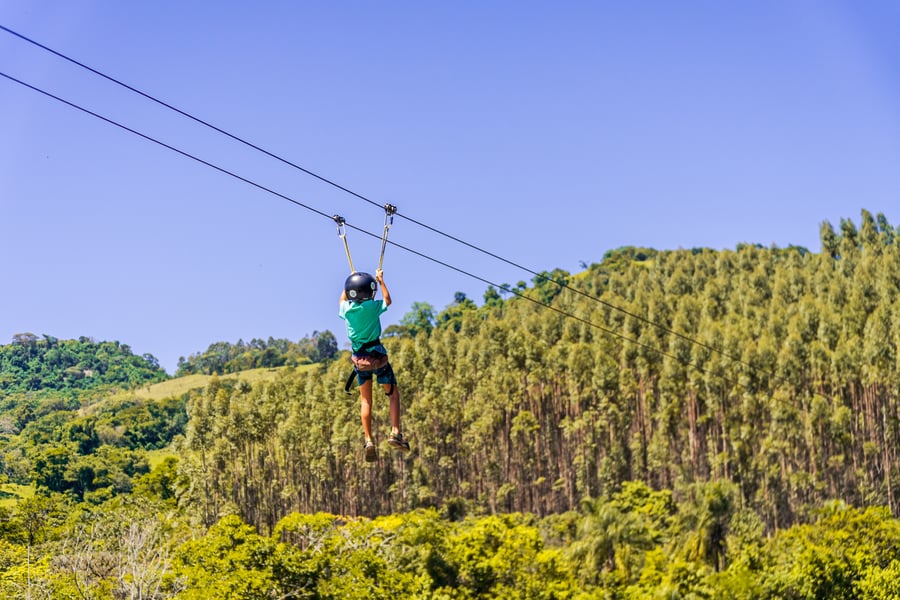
{"x":379,"y":277}
{"x":343,"y":296}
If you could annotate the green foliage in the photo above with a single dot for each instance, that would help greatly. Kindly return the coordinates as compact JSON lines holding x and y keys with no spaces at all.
{"x":162,"y":482}
{"x":549,"y":285}
{"x":141,"y":424}
{"x":409,"y":555}
{"x":706,"y":514}
{"x":98,"y":476}
{"x":92,"y":453}
{"x":231,"y":561}
{"x":419,"y":319}
{"x":845,"y":551}
{"x":880,"y":583}
{"x":418,"y":554}
{"x":452,"y":315}
{"x":139,"y":547}
{"x":614,"y":534}
{"x":623,"y":257}
{"x":492,"y":297}
{"x":120,"y":549}
{"x":224,"y":357}
{"x":31,"y":364}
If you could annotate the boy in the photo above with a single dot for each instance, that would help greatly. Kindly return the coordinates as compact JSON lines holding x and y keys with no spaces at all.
{"x":361,"y":313}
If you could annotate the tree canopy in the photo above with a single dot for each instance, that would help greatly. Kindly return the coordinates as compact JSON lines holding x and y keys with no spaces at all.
{"x":32,"y":363}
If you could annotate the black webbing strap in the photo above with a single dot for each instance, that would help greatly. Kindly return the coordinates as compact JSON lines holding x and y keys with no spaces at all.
{"x":391,"y":391}
{"x":369,"y":345}
{"x":350,"y":379}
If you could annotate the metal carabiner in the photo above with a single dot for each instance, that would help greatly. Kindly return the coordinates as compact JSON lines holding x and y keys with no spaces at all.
{"x":342,"y":233}
{"x":389,"y":210}
{"x":340,"y":221}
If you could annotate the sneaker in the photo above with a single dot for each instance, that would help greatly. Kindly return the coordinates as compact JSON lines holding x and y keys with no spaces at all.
{"x":396,"y":440}
{"x":371,"y":451}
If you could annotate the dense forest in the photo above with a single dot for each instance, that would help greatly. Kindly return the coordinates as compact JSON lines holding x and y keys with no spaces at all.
{"x":774,"y":369}
{"x":675,"y":424}
{"x":36,"y":364}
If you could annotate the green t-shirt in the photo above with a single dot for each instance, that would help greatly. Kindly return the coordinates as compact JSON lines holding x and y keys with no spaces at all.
{"x":363,"y":320}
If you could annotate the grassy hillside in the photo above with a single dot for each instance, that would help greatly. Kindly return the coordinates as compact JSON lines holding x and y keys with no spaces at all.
{"x":181,"y":385}
{"x":12,"y":493}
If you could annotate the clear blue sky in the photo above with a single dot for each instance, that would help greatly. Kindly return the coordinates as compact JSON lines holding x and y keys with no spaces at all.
{"x":545,"y":132}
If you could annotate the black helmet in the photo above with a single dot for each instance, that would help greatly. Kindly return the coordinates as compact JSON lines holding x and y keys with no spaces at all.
{"x":360,"y":286}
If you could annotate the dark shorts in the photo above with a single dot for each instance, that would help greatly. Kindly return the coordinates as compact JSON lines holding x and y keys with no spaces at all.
{"x":384,"y":375}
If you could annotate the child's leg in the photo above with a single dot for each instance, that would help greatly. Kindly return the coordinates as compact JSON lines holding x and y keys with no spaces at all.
{"x":365,"y":408}
{"x":395,"y":405}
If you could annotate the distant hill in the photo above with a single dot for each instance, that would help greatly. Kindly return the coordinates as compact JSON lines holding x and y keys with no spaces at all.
{"x":224,"y":357}
{"x":32,"y":363}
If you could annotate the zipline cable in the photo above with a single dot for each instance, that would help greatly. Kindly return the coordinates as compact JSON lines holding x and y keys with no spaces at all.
{"x":161,"y":143}
{"x":185,"y":114}
{"x":345,"y":224}
{"x":561,"y":284}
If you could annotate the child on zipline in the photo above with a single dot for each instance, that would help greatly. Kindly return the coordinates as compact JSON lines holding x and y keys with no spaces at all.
{"x":362,"y":315}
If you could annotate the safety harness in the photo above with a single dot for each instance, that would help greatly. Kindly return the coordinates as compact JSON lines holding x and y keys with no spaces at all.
{"x":353,"y":374}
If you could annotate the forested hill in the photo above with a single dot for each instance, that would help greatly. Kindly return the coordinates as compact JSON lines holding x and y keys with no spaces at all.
{"x":31,"y":363}
{"x":773,"y":369}
{"x":225,"y":357}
